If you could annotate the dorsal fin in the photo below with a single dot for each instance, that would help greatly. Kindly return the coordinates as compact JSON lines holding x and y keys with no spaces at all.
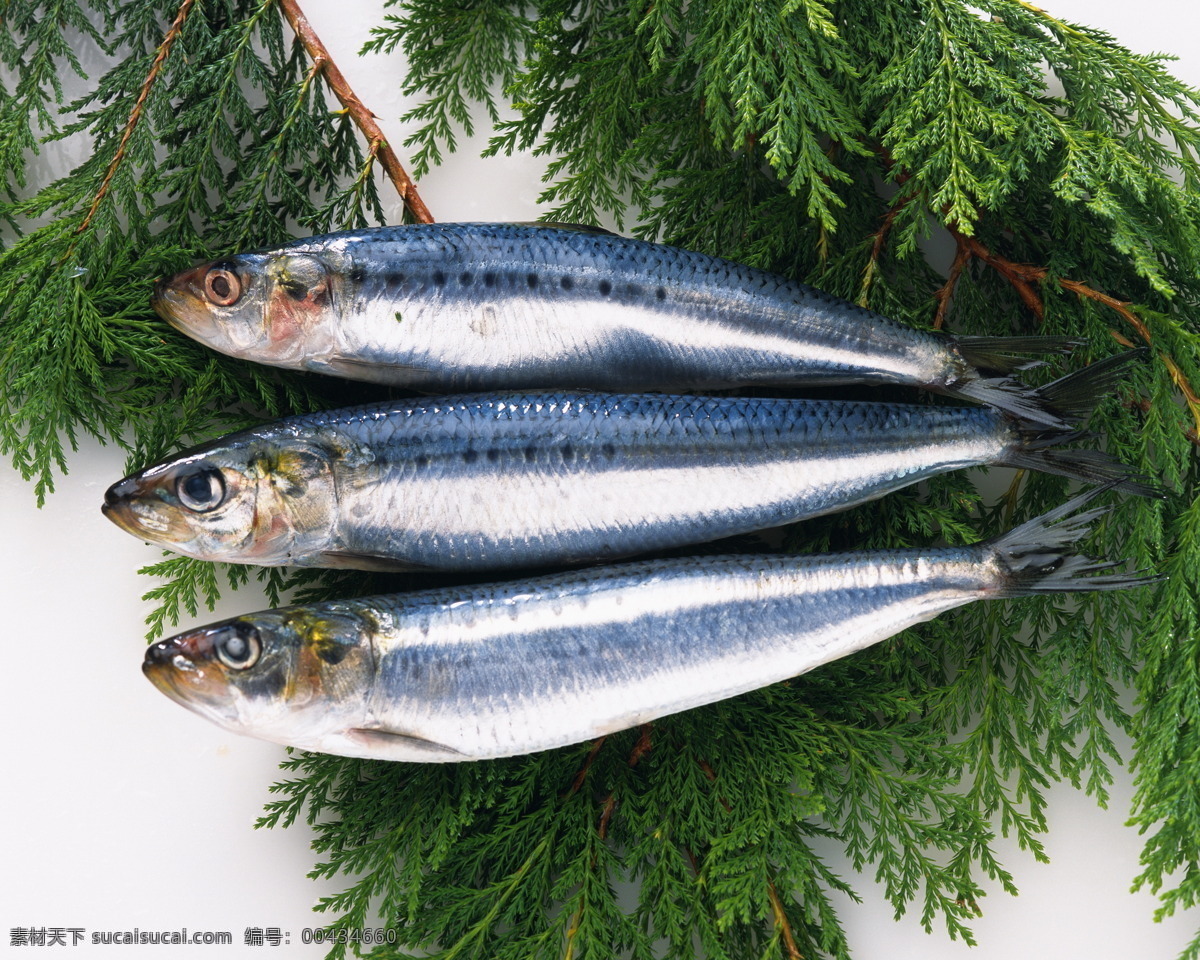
{"x":577,"y":227}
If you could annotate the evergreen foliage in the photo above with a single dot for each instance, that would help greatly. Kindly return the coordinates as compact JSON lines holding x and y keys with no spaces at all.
{"x":760,"y":132}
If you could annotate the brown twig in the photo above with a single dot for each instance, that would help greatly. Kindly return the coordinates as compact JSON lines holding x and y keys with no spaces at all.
{"x":781,"y":921}
{"x":642,"y":747}
{"x":136,"y":113}
{"x":1022,"y":276}
{"x":1120,"y":306}
{"x":1193,"y":401}
{"x":358,"y":111}
{"x":583,"y":771}
{"x":885,"y":228}
{"x":606,"y":812}
{"x":961,"y":255}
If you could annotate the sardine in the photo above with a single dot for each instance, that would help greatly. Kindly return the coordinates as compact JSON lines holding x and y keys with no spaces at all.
{"x":448,"y":308}
{"x":480,"y":482}
{"x":514,"y":668}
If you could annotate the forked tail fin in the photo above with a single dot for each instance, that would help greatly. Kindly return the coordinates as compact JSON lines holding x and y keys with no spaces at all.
{"x":1005,"y":355}
{"x":1068,"y":400}
{"x":1038,"y":556}
{"x":1039,"y":449}
{"x":1077,"y":394}
{"x":1037,"y":446}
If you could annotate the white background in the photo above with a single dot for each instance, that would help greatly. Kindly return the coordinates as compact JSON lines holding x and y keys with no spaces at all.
{"x":120,"y":810}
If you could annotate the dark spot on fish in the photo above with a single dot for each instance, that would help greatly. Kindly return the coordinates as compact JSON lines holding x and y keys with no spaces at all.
{"x":267,"y":684}
{"x":493,"y":454}
{"x":466,"y":279}
{"x":331,"y":651}
{"x":294,"y":289}
{"x":420,"y":461}
{"x":532,"y":280}
{"x":394,"y":281}
{"x":439,"y":278}
{"x":608,"y":450}
{"x":605,"y":288}
{"x":489,"y":279}
{"x":568,"y":451}
{"x":566,"y":283}
{"x":661,"y":293}
{"x":470,"y":456}
{"x":530,"y":453}
{"x":357,"y":274}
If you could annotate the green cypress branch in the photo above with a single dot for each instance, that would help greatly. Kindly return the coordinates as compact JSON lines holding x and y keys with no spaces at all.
{"x":756,"y":131}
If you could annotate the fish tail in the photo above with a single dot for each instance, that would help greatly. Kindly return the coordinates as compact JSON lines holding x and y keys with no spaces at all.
{"x":1040,"y":557}
{"x":1077,"y":394}
{"x":1038,"y":447}
{"x":1005,"y":355}
{"x":1066,"y":401}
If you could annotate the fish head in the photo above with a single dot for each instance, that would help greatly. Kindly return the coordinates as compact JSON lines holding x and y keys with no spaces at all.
{"x":296,"y":675}
{"x":251,"y":497}
{"x":270,"y":307}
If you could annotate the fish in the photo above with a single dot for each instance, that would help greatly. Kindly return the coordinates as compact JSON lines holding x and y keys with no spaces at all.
{"x":512,"y":668}
{"x":472,"y":307}
{"x":483,"y":482}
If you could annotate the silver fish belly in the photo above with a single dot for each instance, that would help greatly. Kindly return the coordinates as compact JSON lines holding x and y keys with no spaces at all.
{"x":494,"y":671}
{"x":478,"y":482}
{"x":459,"y":307}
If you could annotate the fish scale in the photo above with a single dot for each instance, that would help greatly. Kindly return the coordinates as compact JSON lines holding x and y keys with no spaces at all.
{"x":444,"y":308}
{"x":490,"y":671}
{"x":680,"y":470}
{"x":485,"y":482}
{"x":689,"y":283}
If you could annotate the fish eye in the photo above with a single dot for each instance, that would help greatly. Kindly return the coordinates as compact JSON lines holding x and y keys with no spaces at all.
{"x":240,"y":647}
{"x":222,"y":286}
{"x":201,"y":491}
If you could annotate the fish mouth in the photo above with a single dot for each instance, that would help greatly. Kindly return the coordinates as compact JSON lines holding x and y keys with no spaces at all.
{"x":179,"y":301}
{"x":160,"y":668}
{"x":132,"y":506}
{"x":160,"y":300}
{"x":119,"y":509}
{"x":181,"y":668}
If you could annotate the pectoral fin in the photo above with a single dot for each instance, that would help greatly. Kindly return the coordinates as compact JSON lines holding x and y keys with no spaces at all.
{"x":393,"y":745}
{"x":349,"y":560}
{"x":355,"y":369}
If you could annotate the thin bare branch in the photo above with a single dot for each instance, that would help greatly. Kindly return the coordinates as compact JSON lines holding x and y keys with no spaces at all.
{"x":135,"y":114}
{"x":362,"y":116}
{"x":1189,"y":394}
{"x":877,"y":249}
{"x":946,"y":291}
{"x":610,"y":804}
{"x":642,"y":747}
{"x":781,"y":921}
{"x":1120,"y":306}
{"x":583,"y":770}
{"x":1022,"y":276}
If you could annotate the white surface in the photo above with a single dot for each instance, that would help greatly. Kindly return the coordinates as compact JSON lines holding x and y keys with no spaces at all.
{"x":122,"y":811}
